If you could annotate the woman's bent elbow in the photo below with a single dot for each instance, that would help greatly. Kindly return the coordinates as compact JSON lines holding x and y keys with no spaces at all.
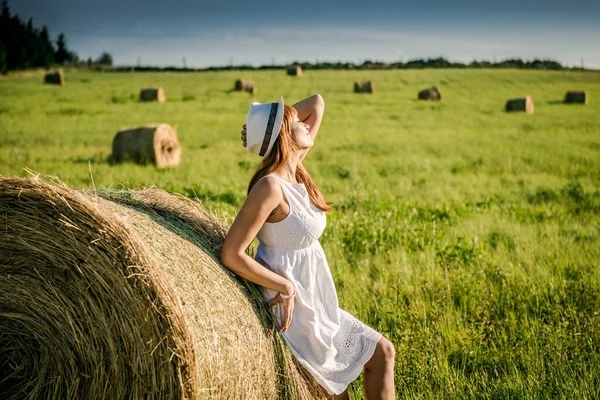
{"x":319,"y":101}
{"x":225,"y":257}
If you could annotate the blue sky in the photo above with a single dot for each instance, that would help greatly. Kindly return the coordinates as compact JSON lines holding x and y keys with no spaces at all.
{"x":210,"y":32}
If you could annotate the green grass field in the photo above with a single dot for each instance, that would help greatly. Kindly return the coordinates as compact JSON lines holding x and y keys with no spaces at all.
{"x":468,"y":236}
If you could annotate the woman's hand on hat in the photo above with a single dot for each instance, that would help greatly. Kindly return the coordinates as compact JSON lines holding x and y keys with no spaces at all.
{"x":243,"y":137}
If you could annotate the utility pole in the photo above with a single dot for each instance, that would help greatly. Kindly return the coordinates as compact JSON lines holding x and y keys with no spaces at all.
{"x":184,"y":64}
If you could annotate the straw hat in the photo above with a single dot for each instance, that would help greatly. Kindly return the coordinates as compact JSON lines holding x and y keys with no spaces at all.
{"x":263,"y":123}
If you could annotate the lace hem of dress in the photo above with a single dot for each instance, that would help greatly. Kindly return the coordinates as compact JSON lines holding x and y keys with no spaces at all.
{"x":358,"y":346}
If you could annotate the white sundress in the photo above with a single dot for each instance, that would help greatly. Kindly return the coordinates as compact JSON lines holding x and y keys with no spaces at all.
{"x":329,"y":342}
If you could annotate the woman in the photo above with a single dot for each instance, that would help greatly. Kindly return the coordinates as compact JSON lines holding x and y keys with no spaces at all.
{"x":286,"y":211}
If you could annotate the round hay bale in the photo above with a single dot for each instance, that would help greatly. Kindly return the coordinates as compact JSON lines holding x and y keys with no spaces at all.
{"x":520,"y":104}
{"x":431,"y":93}
{"x":55,"y":78}
{"x":244,"y":85}
{"x":294,"y":70}
{"x":580,"y":97}
{"x":153,"y":94}
{"x":114,"y":295}
{"x":364,"y":87}
{"x":155,"y":143}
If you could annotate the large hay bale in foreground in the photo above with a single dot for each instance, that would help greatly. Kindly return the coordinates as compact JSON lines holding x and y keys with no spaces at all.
{"x":119,"y":295}
{"x":364,"y":87}
{"x":580,"y":97}
{"x":294,"y":70}
{"x":153,"y":94}
{"x":244,"y":85}
{"x":520,"y":104}
{"x":431,"y":93}
{"x":156,"y":144}
{"x":55,"y":78}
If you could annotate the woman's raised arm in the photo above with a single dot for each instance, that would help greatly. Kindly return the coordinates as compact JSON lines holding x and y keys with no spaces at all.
{"x":310,"y":111}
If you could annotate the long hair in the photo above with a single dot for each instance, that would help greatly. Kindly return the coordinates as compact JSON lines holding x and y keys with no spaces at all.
{"x":278,"y":158}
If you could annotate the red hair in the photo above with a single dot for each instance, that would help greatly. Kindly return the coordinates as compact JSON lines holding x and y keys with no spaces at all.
{"x":278,"y":158}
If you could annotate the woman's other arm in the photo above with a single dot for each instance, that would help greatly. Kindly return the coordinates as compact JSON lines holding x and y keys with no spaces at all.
{"x":310,"y":111}
{"x":262,"y":200}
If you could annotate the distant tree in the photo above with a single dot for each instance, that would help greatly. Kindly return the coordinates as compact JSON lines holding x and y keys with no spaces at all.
{"x":47,"y":49}
{"x":3,"y":66}
{"x":63,"y":55}
{"x":4,"y":36}
{"x":5,"y":15}
{"x":105,"y":59}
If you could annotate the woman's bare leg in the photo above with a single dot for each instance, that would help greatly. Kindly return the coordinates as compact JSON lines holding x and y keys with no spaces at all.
{"x":379,"y":372}
{"x":341,"y":396}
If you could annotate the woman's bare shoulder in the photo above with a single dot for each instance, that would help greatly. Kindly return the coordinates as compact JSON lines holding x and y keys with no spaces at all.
{"x":266,"y":189}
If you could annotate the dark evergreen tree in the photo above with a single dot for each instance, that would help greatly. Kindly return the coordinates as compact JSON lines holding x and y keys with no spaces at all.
{"x":4,"y":18}
{"x":47,"y":49}
{"x":105,"y":59}
{"x":61,"y":56}
{"x":22,"y":45}
{"x":3,"y":66}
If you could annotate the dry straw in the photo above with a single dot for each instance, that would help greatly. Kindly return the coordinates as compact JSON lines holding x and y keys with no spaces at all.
{"x":153,"y":94}
{"x":520,"y":104}
{"x":55,"y":78}
{"x":119,"y":294}
{"x":244,"y":85}
{"x":294,"y":70}
{"x":364,"y":87}
{"x":155,"y":143}
{"x":431,"y":93}
{"x":577,"y":96}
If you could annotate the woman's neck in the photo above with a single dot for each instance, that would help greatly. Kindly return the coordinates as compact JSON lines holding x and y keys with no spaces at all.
{"x":289,"y":171}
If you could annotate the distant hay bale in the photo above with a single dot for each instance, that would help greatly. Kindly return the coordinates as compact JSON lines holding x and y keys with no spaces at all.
{"x":576,"y":97}
{"x":295,"y":70}
{"x":120,"y":295}
{"x":431,"y":93}
{"x":153,"y":94}
{"x":55,"y":78}
{"x":520,"y":104}
{"x":244,"y":85}
{"x":156,"y":144}
{"x":364,"y":87}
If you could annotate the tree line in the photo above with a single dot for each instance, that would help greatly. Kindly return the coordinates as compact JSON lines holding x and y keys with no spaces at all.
{"x":412,"y":64}
{"x":439,"y":62}
{"x":23,"y":46}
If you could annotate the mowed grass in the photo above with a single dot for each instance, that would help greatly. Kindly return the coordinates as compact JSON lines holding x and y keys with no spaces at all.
{"x":468,"y":236}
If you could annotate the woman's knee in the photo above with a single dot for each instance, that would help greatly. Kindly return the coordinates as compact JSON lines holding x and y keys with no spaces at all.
{"x":387,"y":350}
{"x":384,"y":355}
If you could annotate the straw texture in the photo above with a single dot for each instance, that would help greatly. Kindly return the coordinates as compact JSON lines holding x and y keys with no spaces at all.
{"x":364,"y":87}
{"x":245,"y":85}
{"x":118,"y":294}
{"x":577,"y":96}
{"x":55,"y":78}
{"x":520,"y":104}
{"x":294,"y":70}
{"x":153,"y":94}
{"x":154,"y":143}
{"x":431,"y":93}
